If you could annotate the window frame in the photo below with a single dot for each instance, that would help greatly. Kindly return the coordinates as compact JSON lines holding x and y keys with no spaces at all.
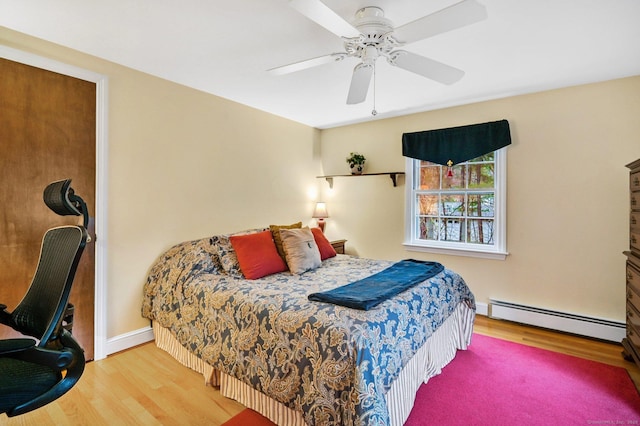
{"x":496,"y":251}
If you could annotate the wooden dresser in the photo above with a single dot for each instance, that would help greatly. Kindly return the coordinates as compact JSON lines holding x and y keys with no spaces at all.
{"x":631,"y":343}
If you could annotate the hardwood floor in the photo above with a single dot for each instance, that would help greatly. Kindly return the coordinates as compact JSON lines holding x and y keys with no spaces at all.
{"x":146,"y":386}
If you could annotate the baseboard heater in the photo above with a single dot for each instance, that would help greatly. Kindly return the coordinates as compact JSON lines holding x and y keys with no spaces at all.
{"x":560,"y":321}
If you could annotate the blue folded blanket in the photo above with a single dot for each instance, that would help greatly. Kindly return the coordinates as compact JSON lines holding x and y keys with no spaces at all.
{"x":368,"y":292}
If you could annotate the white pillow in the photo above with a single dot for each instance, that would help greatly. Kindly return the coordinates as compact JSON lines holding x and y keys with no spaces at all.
{"x":300,"y":249}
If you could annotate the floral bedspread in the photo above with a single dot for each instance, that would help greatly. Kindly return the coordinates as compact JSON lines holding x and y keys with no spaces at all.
{"x":332,"y":363}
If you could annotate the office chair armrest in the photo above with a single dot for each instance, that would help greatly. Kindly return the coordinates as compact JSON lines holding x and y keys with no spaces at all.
{"x":11,"y":346}
{"x":68,"y":341}
{"x":26,"y":350}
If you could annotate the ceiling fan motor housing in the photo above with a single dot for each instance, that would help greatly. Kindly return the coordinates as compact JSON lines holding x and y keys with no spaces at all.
{"x":371,"y":20}
{"x":375,"y":35}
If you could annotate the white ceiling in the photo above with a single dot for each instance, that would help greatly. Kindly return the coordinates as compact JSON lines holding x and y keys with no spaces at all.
{"x":225,"y":48}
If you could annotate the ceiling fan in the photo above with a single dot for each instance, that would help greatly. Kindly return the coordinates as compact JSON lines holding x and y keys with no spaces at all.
{"x":372,"y":36}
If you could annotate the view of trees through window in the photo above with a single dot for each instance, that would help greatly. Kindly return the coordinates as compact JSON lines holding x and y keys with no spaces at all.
{"x":456,"y":203}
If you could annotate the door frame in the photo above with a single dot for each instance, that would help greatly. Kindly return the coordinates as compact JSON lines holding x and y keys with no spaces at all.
{"x":101,"y":242}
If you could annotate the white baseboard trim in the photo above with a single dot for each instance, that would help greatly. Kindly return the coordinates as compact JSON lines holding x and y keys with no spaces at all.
{"x":129,"y":340}
{"x":482,"y":309}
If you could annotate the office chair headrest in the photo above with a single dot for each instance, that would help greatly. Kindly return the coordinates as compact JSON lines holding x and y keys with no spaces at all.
{"x":60,"y":198}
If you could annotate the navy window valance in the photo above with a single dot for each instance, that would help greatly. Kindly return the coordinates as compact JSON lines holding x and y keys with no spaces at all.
{"x":456,"y":144}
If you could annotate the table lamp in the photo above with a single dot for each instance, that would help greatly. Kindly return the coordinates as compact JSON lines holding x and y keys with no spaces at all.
{"x":320,"y":213}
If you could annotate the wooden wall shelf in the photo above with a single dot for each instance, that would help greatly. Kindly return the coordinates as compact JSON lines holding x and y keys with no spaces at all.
{"x":392,"y":175}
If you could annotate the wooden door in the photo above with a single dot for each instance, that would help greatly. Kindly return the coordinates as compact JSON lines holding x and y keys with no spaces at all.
{"x":47,"y":133}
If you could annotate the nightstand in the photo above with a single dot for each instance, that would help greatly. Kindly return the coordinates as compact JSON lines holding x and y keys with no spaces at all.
{"x":338,"y":246}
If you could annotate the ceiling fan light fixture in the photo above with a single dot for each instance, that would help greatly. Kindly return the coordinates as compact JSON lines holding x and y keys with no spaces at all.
{"x":369,"y":55}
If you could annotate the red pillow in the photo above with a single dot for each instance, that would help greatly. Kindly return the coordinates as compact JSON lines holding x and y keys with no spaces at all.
{"x":325,"y":247}
{"x":257,"y":255}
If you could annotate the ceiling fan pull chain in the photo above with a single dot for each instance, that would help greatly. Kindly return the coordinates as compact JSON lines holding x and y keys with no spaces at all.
{"x":373,"y":111}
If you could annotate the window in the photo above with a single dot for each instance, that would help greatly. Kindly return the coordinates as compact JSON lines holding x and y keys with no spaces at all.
{"x":457,"y":210}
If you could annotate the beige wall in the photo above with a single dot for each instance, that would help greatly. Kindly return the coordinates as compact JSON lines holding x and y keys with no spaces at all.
{"x":567,"y":201}
{"x":182,"y":165}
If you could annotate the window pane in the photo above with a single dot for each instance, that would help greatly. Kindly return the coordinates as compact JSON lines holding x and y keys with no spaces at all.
{"x":457,"y":180}
{"x":428,"y":205}
{"x":452,"y":230}
{"x":480,"y":231}
{"x":429,"y":177}
{"x":451,"y":211}
{"x":428,"y":228}
{"x":481,"y":175}
{"x":481,"y":205}
{"x":453,"y":204}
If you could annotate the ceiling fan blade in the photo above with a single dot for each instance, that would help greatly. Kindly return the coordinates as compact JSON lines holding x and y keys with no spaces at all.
{"x":458,"y":15}
{"x":425,"y":67}
{"x":359,"y":83}
{"x":322,"y":15}
{"x":308,"y":63}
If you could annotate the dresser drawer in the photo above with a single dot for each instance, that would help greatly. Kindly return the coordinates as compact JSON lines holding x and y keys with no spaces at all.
{"x":634,"y":221}
{"x":633,"y":301}
{"x":633,"y":316}
{"x":633,"y":277}
{"x":633,"y":284}
{"x":634,"y":240}
{"x":634,"y":181}
{"x":635,"y":201}
{"x":634,"y":336}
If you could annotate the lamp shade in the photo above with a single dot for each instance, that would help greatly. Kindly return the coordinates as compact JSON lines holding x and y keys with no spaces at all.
{"x":320,"y":212}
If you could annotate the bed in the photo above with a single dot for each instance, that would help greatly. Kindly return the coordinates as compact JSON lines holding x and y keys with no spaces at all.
{"x":296,"y":361}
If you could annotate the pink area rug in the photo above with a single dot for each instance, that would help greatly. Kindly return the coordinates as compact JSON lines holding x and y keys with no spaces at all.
{"x":496,"y":383}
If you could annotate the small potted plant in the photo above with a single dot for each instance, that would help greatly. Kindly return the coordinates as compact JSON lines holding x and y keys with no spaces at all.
{"x":356,"y":162}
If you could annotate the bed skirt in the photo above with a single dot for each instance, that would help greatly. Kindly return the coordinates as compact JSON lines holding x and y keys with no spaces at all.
{"x":438,"y":351}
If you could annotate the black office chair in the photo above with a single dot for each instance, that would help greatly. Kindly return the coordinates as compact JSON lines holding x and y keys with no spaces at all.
{"x":35,"y":372}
